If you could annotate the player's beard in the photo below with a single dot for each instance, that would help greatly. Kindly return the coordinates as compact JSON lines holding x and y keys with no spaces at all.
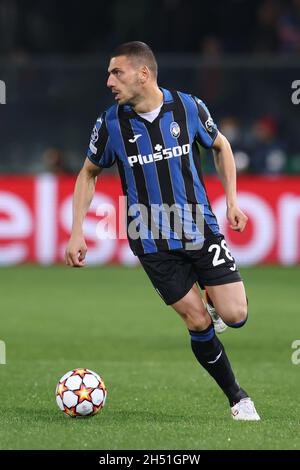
{"x":127,"y":99}
{"x":133,"y":95}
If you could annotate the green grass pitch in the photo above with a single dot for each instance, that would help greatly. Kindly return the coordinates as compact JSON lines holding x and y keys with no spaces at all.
{"x":110,"y":319}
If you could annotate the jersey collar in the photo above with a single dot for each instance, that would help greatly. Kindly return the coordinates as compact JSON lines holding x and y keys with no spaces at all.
{"x":168,"y":105}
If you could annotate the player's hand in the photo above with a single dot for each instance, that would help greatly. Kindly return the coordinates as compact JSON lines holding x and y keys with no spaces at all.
{"x":236,"y":218}
{"x":76,"y":251}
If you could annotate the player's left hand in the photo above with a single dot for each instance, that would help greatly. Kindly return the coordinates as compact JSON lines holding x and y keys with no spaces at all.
{"x":236,"y":218}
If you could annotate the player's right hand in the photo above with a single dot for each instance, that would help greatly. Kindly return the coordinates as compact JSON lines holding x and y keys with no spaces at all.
{"x":75,"y":252}
{"x":236,"y":218}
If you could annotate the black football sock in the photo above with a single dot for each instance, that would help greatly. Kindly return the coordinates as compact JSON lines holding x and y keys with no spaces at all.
{"x":211,"y":354}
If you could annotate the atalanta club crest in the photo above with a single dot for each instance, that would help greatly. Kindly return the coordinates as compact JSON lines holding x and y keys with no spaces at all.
{"x":175,"y":130}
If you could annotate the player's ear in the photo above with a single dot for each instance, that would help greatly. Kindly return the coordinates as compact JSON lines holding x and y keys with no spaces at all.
{"x":144,"y":73}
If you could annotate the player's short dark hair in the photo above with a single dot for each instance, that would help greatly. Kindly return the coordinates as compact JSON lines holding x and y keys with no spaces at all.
{"x":138,"y":50}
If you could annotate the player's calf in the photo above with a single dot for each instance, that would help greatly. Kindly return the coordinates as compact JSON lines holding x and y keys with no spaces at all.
{"x":234,"y":319}
{"x":234,"y":313}
{"x":230,"y":303}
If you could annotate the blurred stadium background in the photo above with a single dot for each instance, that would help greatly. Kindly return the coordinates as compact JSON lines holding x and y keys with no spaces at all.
{"x":242,"y":59}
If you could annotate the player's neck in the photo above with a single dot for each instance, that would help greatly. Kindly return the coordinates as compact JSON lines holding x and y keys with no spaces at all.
{"x":151,"y":100}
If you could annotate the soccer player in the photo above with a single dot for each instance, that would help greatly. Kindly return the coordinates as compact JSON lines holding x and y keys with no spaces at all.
{"x":153,"y":134}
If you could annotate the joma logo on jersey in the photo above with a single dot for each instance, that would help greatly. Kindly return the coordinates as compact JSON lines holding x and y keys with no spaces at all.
{"x":162,"y":154}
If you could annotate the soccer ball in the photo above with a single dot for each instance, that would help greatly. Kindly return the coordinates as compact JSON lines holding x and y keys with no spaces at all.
{"x":80,"y":392}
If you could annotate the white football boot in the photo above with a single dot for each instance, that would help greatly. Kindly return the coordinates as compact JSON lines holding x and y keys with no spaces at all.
{"x":219,"y":325}
{"x":244,"y":410}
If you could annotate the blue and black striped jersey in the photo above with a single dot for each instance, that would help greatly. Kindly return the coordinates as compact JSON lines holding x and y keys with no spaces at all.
{"x":160,"y":167}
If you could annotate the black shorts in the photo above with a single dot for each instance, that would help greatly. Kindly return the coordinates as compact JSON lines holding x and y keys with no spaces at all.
{"x":174,"y":272}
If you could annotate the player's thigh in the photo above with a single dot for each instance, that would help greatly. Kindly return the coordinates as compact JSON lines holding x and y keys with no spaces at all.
{"x":171,"y":274}
{"x":192,"y":310}
{"x":230,"y":301}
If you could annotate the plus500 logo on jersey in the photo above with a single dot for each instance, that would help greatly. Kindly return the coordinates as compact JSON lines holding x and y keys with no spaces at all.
{"x":164,"y":154}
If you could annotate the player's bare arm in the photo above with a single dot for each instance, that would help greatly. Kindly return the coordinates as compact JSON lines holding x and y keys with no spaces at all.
{"x":83,"y":195}
{"x":226,"y":169}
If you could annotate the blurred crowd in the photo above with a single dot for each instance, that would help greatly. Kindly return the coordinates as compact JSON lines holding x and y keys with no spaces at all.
{"x":258,"y":149}
{"x":231,"y":26}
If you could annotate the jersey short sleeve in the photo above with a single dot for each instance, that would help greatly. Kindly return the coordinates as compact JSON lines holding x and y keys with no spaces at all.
{"x":100,"y":150}
{"x":207,"y":130}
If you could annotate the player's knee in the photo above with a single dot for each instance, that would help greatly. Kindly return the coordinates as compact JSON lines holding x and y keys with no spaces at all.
{"x":194,"y":320}
{"x":198,"y":324}
{"x":238,"y":317}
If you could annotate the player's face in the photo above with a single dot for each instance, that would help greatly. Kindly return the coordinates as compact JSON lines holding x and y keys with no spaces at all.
{"x":123,"y":80}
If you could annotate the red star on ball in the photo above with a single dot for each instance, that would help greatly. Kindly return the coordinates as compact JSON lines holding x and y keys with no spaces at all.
{"x":61,"y":388}
{"x":80,"y":372}
{"x":71,"y":411}
{"x":83,"y":393}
